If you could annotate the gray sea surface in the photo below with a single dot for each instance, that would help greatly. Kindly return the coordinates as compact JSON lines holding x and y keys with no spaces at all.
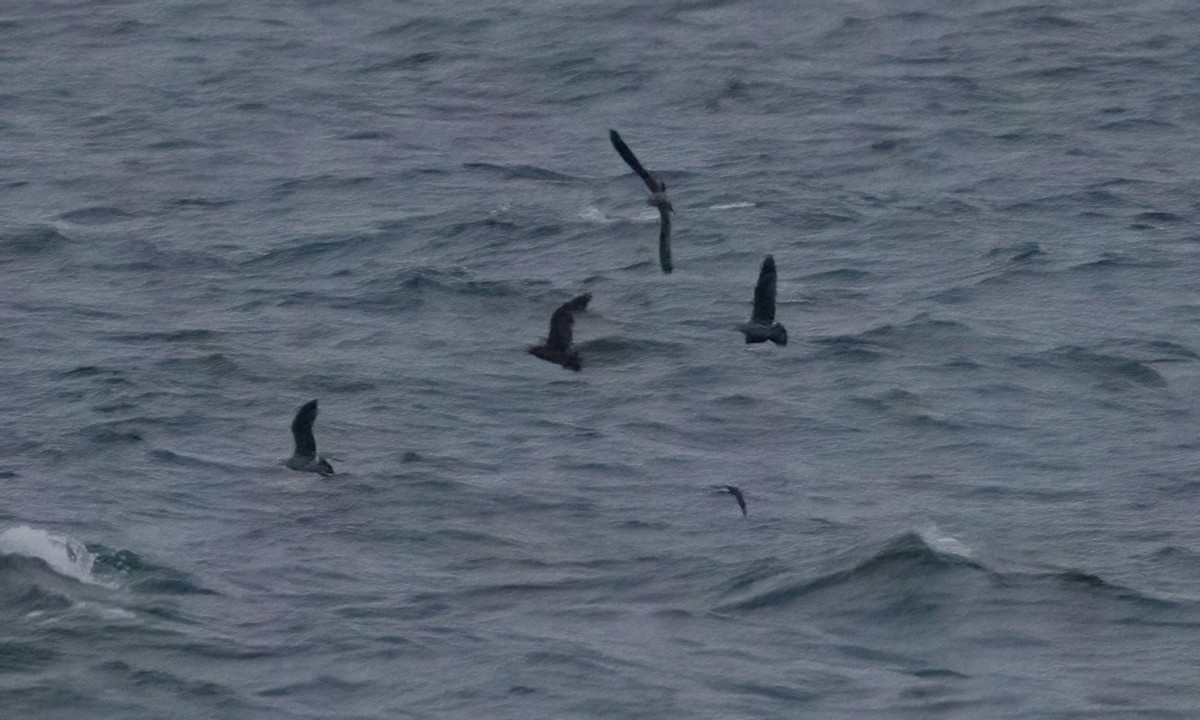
{"x":971,"y":475}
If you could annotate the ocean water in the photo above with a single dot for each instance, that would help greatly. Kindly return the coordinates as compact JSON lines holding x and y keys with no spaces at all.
{"x":971,"y":475}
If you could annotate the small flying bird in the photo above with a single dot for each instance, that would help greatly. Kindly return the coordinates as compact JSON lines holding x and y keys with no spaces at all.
{"x":558,"y":348}
{"x":762,"y":326}
{"x":737,"y":495}
{"x":658,"y":199}
{"x":305,"y":457}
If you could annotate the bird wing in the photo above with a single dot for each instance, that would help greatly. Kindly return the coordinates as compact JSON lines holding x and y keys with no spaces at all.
{"x":664,"y":237}
{"x":737,"y":495}
{"x":578,"y":303}
{"x":764,"y":293}
{"x":561,"y":324}
{"x":632,"y":161}
{"x":306,"y":445}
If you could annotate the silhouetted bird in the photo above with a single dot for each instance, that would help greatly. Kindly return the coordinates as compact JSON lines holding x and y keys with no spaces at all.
{"x":658,"y":199}
{"x":305,"y":457}
{"x":762,"y":326}
{"x":558,"y":348}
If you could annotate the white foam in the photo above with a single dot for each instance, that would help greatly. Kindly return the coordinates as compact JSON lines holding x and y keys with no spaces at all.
{"x":66,"y":556}
{"x":945,"y":544}
{"x":732,"y":206}
{"x":592,"y":213}
{"x":104,"y":612}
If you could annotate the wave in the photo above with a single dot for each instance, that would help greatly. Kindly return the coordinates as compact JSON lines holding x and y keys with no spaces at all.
{"x":97,"y":215}
{"x":34,"y":240}
{"x":1091,"y":583}
{"x":1005,"y":263}
{"x":323,"y":182}
{"x":922,"y":573}
{"x":1158,"y":216}
{"x":409,"y":61}
{"x":839,"y":275}
{"x":1113,"y":261}
{"x":922,"y":327}
{"x":1160,"y":350}
{"x":61,"y":553}
{"x":945,"y":544}
{"x":430,"y":26}
{"x":608,"y":349}
{"x":90,"y":564}
{"x":412,"y":288}
{"x":200,"y":202}
{"x":520,"y":172}
{"x":180,"y":686}
{"x":108,"y":375}
{"x":141,"y":575}
{"x":214,"y":365}
{"x":308,"y":249}
{"x":24,"y":657}
{"x":913,"y":556}
{"x":178,"y":459}
{"x":921,"y":331}
{"x":195,"y":335}
{"x":1017,"y":252}
{"x":1108,"y":367}
{"x":850,"y":347}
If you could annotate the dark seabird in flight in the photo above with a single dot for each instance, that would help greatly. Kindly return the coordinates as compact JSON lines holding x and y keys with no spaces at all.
{"x":658,"y":199}
{"x":737,"y":495}
{"x":762,"y":326}
{"x":306,"y":458}
{"x":558,"y":348}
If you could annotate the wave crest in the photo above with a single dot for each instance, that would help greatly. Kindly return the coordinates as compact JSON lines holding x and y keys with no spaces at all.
{"x":63,"y":554}
{"x":907,"y":558}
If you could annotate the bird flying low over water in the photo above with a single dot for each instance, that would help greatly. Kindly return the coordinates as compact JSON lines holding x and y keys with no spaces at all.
{"x":658,"y":199}
{"x":558,"y":347}
{"x":305,"y":457}
{"x":737,"y":495}
{"x":762,"y":326}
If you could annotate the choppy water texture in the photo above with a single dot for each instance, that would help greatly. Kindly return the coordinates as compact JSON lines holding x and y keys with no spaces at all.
{"x":970,"y":475}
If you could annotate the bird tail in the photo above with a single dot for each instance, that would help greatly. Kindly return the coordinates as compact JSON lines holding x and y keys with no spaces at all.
{"x":778,"y":334}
